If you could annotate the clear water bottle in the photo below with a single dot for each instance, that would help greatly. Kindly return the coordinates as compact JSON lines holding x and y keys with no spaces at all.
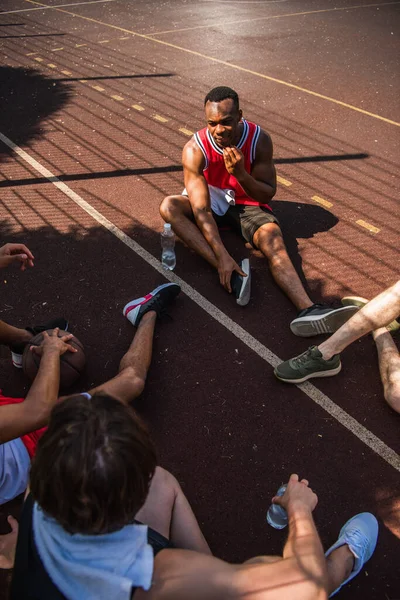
{"x":277,"y":515}
{"x":168,"y":258}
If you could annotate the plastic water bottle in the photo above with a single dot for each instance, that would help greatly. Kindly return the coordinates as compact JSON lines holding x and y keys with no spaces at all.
{"x":168,"y":257}
{"x":277,"y":515}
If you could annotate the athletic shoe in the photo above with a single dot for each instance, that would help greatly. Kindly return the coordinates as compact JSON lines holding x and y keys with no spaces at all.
{"x":360,"y":533}
{"x":307,"y":365}
{"x":240,"y":285}
{"x":156,"y":300}
{"x":360,"y":302}
{"x":17,"y":350}
{"x":321,"y":319}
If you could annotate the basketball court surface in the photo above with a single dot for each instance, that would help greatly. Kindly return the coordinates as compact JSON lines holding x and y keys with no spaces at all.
{"x":98,"y":99}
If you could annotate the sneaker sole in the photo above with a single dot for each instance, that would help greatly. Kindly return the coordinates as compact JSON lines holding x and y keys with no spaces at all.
{"x":328,"y":323}
{"x":329,"y":373}
{"x":244,"y":296}
{"x":150,"y":294}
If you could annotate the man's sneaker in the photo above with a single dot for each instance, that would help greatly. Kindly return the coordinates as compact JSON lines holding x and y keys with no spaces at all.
{"x":307,"y":365}
{"x":17,"y":350}
{"x":156,"y":300}
{"x":240,"y":285}
{"x":360,"y":302}
{"x":321,"y":319}
{"x":360,"y":533}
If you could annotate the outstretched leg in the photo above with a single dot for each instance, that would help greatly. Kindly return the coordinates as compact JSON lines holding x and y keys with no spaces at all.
{"x":389,"y":366}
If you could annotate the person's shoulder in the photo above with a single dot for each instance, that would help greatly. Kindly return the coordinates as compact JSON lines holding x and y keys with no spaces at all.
{"x":192,"y":152}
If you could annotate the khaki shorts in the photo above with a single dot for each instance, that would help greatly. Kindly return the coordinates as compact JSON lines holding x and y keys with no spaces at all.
{"x":246,"y":219}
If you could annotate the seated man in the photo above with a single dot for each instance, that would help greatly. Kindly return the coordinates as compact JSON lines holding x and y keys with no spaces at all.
{"x":380,"y":316}
{"x":230,"y":178}
{"x":21,"y":421}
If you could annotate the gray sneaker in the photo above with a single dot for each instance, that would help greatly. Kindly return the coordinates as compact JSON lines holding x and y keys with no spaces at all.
{"x":307,"y":365}
{"x":317,"y":319}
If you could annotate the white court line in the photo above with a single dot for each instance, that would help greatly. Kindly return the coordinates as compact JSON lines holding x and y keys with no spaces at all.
{"x":361,"y":432}
{"x":9,"y":12}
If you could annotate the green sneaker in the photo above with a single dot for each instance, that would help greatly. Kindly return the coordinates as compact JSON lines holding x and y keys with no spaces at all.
{"x":359,"y":301}
{"x":307,"y":365}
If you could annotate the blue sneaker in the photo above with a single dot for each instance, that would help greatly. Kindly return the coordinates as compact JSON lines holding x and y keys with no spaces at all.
{"x":360,"y":533}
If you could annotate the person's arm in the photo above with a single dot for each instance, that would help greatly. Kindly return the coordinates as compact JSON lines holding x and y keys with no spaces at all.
{"x":18,"y":419}
{"x":16,"y":253}
{"x":260,"y":184}
{"x":199,"y":198}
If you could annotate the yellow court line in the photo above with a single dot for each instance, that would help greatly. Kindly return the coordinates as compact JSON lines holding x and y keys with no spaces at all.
{"x":56,"y":49}
{"x":137,"y":107}
{"x":31,"y":53}
{"x":230,"y":65}
{"x":186,"y":131}
{"x":124,"y":38}
{"x":322,"y":201}
{"x":66,"y":72}
{"x":118,"y":98}
{"x":52,"y":66}
{"x":82,"y":80}
{"x":283,"y":181}
{"x":38,"y":59}
{"x":98,"y":88}
{"x":76,"y":45}
{"x":104,"y":42}
{"x":368,"y":226}
{"x":296,"y":14}
{"x":160,"y":118}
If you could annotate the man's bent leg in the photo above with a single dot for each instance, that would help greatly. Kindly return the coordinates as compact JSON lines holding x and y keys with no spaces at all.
{"x":269,"y":240}
{"x":389,"y":366}
{"x":168,"y":512}
{"x":133,"y":368}
{"x":177,"y":211}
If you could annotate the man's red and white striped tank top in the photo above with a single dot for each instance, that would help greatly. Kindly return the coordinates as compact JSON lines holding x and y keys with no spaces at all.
{"x":215,"y":171}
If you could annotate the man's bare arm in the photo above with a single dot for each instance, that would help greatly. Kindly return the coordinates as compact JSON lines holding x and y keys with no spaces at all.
{"x":199,"y":198}
{"x":260,"y":184}
{"x":18,"y":419}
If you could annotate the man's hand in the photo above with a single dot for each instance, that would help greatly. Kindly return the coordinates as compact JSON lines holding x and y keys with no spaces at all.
{"x":8,"y":544}
{"x":226,"y":265}
{"x":234,"y":161}
{"x":53,"y":343}
{"x":16,"y":253}
{"x":297,"y":496}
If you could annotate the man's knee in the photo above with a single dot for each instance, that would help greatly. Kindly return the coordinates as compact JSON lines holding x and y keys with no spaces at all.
{"x":392,"y":396}
{"x":136,"y":382}
{"x":268,"y":238}
{"x":164,"y":482}
{"x":170,"y":207}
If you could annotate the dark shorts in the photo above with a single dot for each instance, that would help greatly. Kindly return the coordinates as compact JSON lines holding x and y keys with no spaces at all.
{"x":246,"y":219}
{"x":156,"y":540}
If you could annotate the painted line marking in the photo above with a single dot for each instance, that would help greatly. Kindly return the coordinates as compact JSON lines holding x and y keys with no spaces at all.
{"x":118,"y":98}
{"x":186,"y":131}
{"x":137,"y":107}
{"x":44,"y":7}
{"x":31,"y":53}
{"x":38,"y":59}
{"x":368,"y":226}
{"x":80,"y":45}
{"x":238,"y":67}
{"x":283,"y":181}
{"x":160,"y":118}
{"x":57,"y":49}
{"x":82,"y":80}
{"x":66,"y":72}
{"x":52,"y":66}
{"x":322,"y":201}
{"x":104,"y":42}
{"x":98,"y":88}
{"x":351,"y":424}
{"x":124,"y":38}
{"x":256,"y":19}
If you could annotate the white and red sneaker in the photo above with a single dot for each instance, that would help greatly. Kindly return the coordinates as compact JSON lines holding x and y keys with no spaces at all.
{"x":156,"y":300}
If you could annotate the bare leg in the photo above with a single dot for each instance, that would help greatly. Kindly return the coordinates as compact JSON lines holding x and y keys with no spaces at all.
{"x":167,"y":511}
{"x":379,"y":312}
{"x":389,"y":366}
{"x":339,"y":565}
{"x":269,"y":240}
{"x":177,"y":211}
{"x":133,"y":368}
{"x":10,"y":335}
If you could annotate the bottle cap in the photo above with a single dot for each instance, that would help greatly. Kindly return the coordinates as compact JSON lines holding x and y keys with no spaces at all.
{"x":167,"y":226}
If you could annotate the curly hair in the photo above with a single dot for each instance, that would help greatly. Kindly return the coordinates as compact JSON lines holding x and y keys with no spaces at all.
{"x":93,"y":465}
{"x":220,"y":93}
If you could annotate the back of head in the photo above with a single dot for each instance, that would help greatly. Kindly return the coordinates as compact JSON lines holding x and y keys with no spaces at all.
{"x":220,"y":93}
{"x":93,"y":466}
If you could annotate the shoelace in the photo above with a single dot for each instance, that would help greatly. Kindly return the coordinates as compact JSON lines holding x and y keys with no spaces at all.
{"x":300,"y":360}
{"x":362,"y":541}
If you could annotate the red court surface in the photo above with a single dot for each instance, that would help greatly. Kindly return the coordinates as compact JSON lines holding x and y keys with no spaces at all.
{"x":103,"y":95}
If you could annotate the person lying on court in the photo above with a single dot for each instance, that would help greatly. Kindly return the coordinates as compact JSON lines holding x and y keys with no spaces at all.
{"x":22,"y":420}
{"x":229,"y":179}
{"x":381,"y":316}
